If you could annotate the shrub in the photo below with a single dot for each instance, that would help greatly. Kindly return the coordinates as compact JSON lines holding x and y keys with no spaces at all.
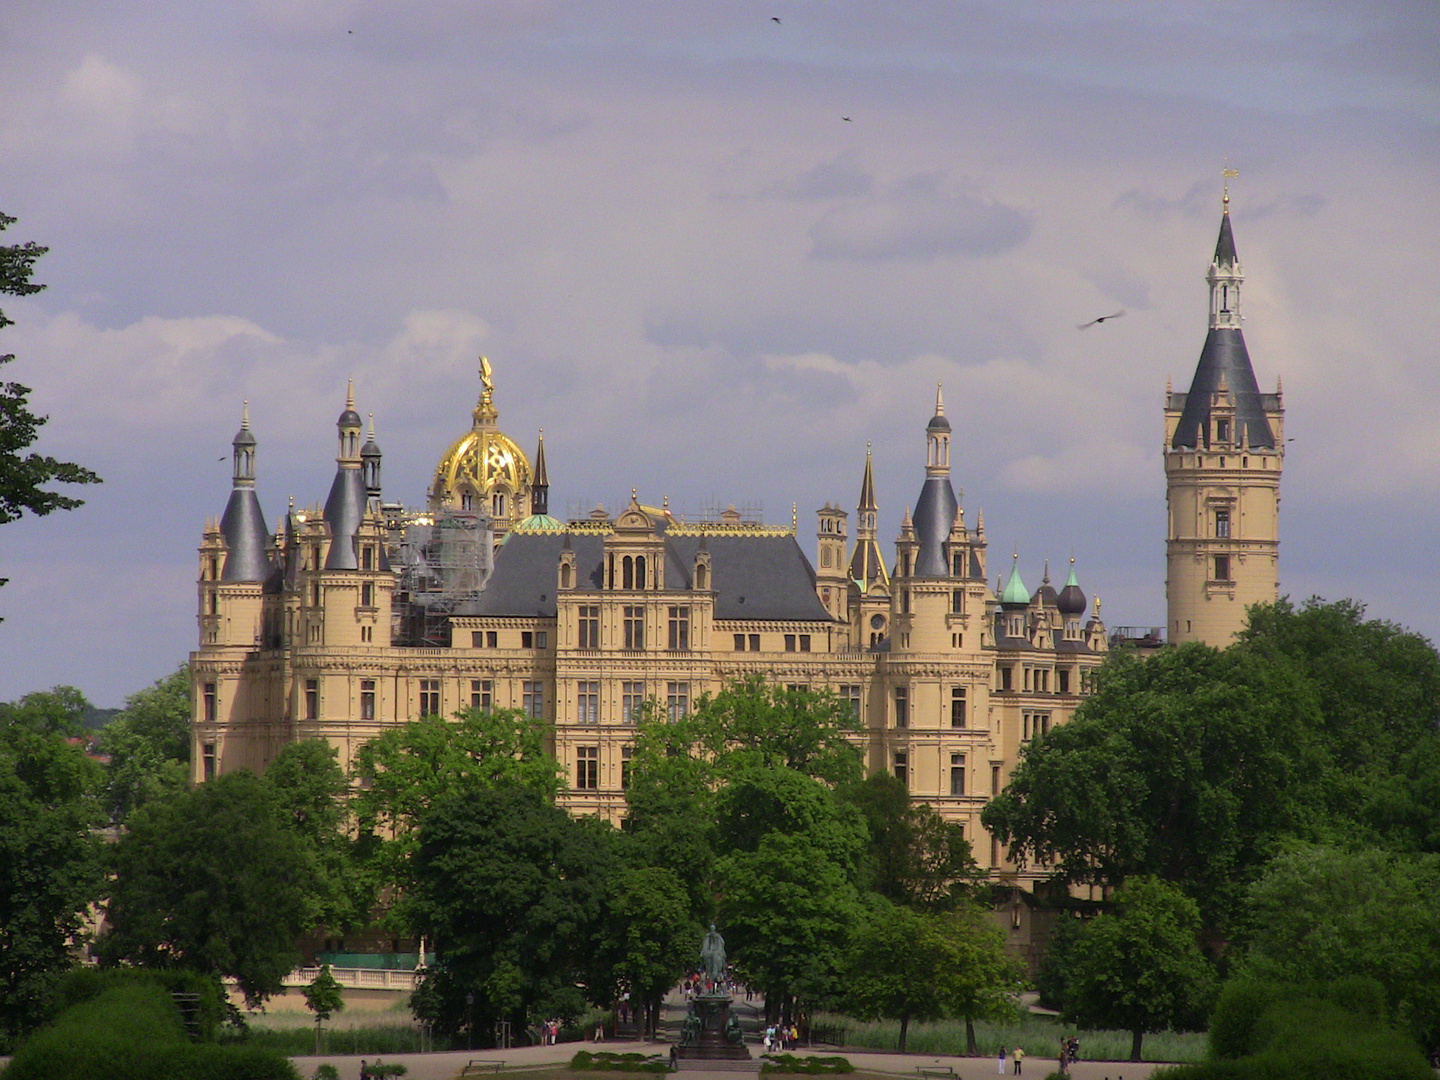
{"x":813,"y":1064}
{"x":326,"y":1071}
{"x":609,"y":1061}
{"x":135,"y":1031}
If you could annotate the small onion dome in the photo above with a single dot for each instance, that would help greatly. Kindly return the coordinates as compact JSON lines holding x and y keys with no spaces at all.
{"x":938,"y":421}
{"x":1015,"y":595}
{"x":370,"y":449}
{"x":1072,"y":600}
{"x":1045,"y":595}
{"x":244,"y":437}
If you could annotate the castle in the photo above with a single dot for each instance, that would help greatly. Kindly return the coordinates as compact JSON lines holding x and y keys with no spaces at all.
{"x":362,"y":614}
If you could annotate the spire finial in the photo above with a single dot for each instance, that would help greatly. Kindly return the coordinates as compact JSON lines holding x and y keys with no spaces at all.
{"x":485,"y":412}
{"x":245,"y":415}
{"x":372,"y":426}
{"x":795,"y":517}
{"x":939,"y":400}
{"x":1227,"y":174}
{"x":350,"y":393}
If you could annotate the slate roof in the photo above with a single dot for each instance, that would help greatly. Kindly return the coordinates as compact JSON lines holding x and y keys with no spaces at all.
{"x":934,"y":514}
{"x":753,"y":577}
{"x":1224,"y":357}
{"x":344,"y":509}
{"x":247,"y":542}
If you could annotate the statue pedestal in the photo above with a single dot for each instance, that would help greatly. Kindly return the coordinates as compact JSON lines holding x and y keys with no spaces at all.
{"x":710,"y":1033}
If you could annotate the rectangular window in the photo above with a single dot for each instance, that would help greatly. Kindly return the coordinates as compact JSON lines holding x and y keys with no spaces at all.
{"x":634,"y":622}
{"x":1007,"y":677}
{"x":625,"y":755}
{"x":482,"y":693}
{"x":957,"y":706}
{"x":679,"y":629}
{"x":367,"y":558}
{"x":902,"y":707}
{"x":739,"y":642}
{"x":754,"y":642}
{"x":589,"y":637}
{"x":367,"y":699}
{"x":587,"y":768}
{"x":587,"y":700}
{"x":208,"y":757}
{"x":1222,"y":567}
{"x":533,"y":699}
{"x":1062,"y":680}
{"x":677,"y":699}
{"x":429,"y":697}
{"x":1222,"y":523}
{"x":1222,"y":431}
{"x":902,"y":767}
{"x":209,"y":703}
{"x":484,"y":639}
{"x":367,"y":593}
{"x":994,"y":779}
{"x":804,"y":642}
{"x":312,"y":699}
{"x":632,"y":696}
{"x":957,"y":601}
{"x":542,"y":639}
{"x":850,"y":694}
{"x":527,"y":639}
{"x":957,"y":774}
{"x":789,"y":642}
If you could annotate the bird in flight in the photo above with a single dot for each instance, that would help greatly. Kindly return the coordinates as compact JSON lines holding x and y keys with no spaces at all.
{"x":847,"y":119}
{"x":1102,"y":318}
{"x":775,"y":18}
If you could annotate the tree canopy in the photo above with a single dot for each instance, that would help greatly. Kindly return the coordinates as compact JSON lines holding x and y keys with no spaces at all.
{"x":24,"y":476}
{"x":148,"y":743}
{"x":50,"y":855}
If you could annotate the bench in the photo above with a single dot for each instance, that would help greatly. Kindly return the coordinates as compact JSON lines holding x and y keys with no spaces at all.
{"x":935,"y":1070}
{"x":479,"y":1065}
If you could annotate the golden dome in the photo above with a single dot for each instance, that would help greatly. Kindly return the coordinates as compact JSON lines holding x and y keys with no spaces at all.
{"x":484,"y":462}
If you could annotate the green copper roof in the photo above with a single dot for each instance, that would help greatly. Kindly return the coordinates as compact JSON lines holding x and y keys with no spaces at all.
{"x":1015,"y":591}
{"x":539,"y":523}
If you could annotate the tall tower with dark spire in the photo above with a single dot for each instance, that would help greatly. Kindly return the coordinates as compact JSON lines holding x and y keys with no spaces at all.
{"x":1224,"y":449}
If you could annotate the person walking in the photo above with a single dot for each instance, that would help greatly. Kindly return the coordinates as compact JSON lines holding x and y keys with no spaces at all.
{"x":1000,"y":1060}
{"x":1019,"y":1058}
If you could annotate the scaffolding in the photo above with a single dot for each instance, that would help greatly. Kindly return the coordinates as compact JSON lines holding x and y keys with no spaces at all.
{"x":444,"y":558}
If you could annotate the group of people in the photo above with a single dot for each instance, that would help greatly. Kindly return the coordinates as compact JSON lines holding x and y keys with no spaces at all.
{"x":1069,"y":1052}
{"x":1017,"y":1056}
{"x":550,"y":1032}
{"x":782,"y":1036}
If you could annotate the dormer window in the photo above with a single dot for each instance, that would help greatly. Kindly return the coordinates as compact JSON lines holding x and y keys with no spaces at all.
{"x":1222,"y":431}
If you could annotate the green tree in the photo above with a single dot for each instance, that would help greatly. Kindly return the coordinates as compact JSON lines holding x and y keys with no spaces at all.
{"x":647,"y":941}
{"x":324,"y":997}
{"x":1189,"y":765}
{"x":312,"y":795}
{"x":1321,"y":914}
{"x":511,"y":889}
{"x":1140,"y":968}
{"x":908,"y":965}
{"x":50,"y":855}
{"x":915,"y":857}
{"x":211,"y":880}
{"x":405,"y":771}
{"x":24,"y":476}
{"x":148,"y":743}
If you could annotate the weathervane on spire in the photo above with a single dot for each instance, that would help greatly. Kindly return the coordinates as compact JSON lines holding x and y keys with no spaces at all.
{"x":1227,"y":174}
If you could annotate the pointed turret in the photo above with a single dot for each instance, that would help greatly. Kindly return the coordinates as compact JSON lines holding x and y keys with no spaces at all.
{"x":1224,"y":406}
{"x":345,"y":505}
{"x":540,"y":485}
{"x":247,"y":540}
{"x":867,"y":564}
{"x":1071,"y":600}
{"x":1224,"y":452}
{"x":936,"y":507}
{"x":370,"y":466}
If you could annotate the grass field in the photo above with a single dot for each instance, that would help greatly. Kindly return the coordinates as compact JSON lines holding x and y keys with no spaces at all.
{"x":1039,"y":1035}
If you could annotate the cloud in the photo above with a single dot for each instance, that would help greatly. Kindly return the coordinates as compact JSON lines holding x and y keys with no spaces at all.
{"x":916,"y":220}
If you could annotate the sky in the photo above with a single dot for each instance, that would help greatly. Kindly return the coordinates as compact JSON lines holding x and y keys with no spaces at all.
{"x":713,"y":249}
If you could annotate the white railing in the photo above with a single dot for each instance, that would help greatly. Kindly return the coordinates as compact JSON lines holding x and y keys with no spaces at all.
{"x":358,"y":978}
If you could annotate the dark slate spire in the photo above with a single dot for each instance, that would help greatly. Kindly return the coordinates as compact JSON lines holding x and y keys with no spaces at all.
{"x":936,"y":507}
{"x":345,"y":505}
{"x":247,"y":541}
{"x":370,"y":465}
{"x":1224,"y":376}
{"x":540,"y":484}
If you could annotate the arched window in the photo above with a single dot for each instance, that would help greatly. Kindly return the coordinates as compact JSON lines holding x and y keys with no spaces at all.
{"x":497,"y":505}
{"x":627,"y":570}
{"x":640,"y":571}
